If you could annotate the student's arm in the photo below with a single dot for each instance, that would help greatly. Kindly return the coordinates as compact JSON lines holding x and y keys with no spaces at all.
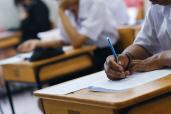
{"x":141,"y":52}
{"x":76,"y":39}
{"x":30,"y":45}
{"x":155,"y":62}
{"x":120,"y":70}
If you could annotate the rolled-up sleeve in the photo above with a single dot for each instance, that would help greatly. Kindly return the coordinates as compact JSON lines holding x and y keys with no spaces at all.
{"x":94,"y":24}
{"x":147,"y":37}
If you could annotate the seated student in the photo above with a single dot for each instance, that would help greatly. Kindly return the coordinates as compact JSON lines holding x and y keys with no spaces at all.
{"x":151,"y":49}
{"x":34,"y":18}
{"x":85,"y":22}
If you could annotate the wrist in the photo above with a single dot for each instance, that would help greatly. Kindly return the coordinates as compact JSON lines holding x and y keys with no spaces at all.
{"x":39,"y":44}
{"x":162,"y":60}
{"x":130,"y":57}
{"x":125,"y":61}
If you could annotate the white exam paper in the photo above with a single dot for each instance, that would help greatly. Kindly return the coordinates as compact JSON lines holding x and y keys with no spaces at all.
{"x":106,"y":85}
{"x":74,"y":85}
{"x":99,"y":82}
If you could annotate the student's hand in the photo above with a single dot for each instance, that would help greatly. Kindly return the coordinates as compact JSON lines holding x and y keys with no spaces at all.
{"x":29,"y":46}
{"x":115,"y":70}
{"x":146,"y":65}
{"x":64,"y":4}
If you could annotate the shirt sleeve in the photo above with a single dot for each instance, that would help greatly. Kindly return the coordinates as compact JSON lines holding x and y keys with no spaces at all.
{"x":93,"y":26}
{"x":147,"y":37}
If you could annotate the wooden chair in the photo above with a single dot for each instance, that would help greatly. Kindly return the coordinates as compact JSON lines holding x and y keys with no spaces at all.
{"x":127,"y":35}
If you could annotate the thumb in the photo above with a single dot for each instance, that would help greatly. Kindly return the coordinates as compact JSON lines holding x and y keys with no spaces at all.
{"x":123,"y":60}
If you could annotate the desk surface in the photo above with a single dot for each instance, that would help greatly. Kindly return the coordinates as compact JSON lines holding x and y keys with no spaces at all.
{"x":112,"y":100}
{"x":8,"y":39}
{"x":67,"y":54}
{"x":69,"y":62}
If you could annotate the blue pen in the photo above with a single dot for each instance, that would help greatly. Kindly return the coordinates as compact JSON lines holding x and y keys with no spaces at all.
{"x":112,"y":49}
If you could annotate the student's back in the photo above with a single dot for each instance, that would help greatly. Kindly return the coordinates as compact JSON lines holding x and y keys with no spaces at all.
{"x":36,"y":21}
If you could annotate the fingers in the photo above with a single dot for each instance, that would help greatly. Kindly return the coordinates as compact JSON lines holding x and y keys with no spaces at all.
{"x":138,"y":66}
{"x":28,"y":46}
{"x":123,"y":61}
{"x":23,"y":47}
{"x":113,"y":74}
{"x":113,"y":70}
{"x":113,"y":65}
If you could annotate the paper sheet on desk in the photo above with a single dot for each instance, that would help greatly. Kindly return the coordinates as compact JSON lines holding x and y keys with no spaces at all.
{"x":74,"y":85}
{"x":15,"y":59}
{"x":105,"y":85}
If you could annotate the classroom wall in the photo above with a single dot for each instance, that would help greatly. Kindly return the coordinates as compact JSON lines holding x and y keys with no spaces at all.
{"x":9,"y":13}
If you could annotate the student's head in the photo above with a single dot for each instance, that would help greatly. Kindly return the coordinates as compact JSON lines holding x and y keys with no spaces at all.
{"x":23,"y":2}
{"x":161,"y":2}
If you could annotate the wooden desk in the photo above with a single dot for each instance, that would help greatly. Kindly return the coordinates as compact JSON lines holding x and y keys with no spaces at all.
{"x":69,"y":62}
{"x":144,"y":99}
{"x":8,"y":39}
{"x":41,"y":71}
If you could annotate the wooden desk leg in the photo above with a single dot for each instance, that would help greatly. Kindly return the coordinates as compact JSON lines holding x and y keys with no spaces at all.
{"x":9,"y":96}
{"x":39,"y":86}
{"x":37,"y":78}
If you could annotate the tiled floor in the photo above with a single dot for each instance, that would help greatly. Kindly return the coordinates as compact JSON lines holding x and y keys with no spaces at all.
{"x":25,"y":103}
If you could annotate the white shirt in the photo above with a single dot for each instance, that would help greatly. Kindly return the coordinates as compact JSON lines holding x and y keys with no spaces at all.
{"x":155,"y":35}
{"x":97,"y":20}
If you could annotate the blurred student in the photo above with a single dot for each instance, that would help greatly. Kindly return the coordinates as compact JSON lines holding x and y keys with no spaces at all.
{"x":85,"y":22}
{"x":34,"y":16}
{"x":152,"y":47}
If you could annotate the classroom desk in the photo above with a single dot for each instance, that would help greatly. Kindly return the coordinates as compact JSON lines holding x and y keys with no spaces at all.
{"x":37,"y":72}
{"x":8,"y":39}
{"x":150,"y":98}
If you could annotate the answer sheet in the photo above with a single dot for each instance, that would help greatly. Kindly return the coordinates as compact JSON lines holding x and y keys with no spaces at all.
{"x":132,"y":81}
{"x":100,"y":82}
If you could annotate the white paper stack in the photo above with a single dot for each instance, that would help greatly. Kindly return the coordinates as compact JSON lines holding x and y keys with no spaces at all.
{"x":106,"y":85}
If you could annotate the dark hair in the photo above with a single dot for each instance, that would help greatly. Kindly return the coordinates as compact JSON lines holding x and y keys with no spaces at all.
{"x":17,"y":2}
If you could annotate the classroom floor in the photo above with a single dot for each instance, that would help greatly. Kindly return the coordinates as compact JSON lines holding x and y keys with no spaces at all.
{"x":25,"y":103}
